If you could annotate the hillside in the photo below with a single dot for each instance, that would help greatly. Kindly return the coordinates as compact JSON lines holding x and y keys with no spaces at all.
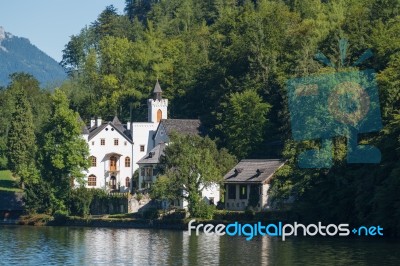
{"x":17,"y":54}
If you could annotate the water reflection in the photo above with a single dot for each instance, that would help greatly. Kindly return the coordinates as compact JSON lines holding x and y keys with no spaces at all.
{"x":95,"y":246}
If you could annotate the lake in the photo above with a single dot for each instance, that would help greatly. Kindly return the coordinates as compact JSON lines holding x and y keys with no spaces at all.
{"x":26,"y":245}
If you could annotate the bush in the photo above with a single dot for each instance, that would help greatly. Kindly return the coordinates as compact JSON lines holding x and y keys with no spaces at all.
{"x":35,"y":219}
{"x":177,"y":215}
{"x":139,"y":196}
{"x":60,"y":217}
{"x":80,"y":200}
{"x":234,"y":215}
{"x":203,"y":210}
{"x":151,"y":213}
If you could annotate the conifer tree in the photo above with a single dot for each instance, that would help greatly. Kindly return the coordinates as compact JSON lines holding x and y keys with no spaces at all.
{"x":21,"y":139}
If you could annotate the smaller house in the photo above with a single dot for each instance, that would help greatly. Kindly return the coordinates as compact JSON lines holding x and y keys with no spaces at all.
{"x":148,"y":166}
{"x":247,"y":184}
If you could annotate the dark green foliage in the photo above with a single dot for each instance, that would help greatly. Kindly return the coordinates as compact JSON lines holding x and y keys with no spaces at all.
{"x":190,"y":165}
{"x":206,"y":53}
{"x":244,"y":123}
{"x":150,"y":213}
{"x":79,"y":201}
{"x":21,"y":142}
{"x":63,"y":154}
{"x":39,"y":198}
{"x":203,"y":210}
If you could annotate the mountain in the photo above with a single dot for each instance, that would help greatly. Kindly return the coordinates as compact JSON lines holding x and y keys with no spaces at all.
{"x":19,"y":55}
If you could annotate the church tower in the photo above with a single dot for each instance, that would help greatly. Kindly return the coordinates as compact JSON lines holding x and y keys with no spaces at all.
{"x":157,"y":107}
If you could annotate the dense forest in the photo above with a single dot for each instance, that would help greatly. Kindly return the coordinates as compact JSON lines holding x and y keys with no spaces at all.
{"x":227,"y":62}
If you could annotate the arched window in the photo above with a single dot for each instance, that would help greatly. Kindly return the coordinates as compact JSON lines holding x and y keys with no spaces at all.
{"x":127,"y":162}
{"x":92,"y":181}
{"x":127,"y":182}
{"x":159,"y":115}
{"x":93,"y":161}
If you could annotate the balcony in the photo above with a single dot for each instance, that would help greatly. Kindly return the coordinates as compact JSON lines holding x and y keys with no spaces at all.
{"x":148,"y":178}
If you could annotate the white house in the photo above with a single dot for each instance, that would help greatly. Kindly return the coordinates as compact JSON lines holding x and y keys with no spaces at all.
{"x":111,"y":153}
{"x":117,"y":150}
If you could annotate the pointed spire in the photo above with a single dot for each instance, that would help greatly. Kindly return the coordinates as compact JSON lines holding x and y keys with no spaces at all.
{"x":157,"y":91}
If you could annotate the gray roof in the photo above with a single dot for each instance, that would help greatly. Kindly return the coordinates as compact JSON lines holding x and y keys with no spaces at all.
{"x":10,"y":201}
{"x":157,"y":88}
{"x":116,"y":124}
{"x":153,"y":157}
{"x":182,"y":126}
{"x":253,"y":171}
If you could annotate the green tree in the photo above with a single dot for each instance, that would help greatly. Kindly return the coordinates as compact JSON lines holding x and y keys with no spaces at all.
{"x":21,"y":138}
{"x":190,"y":166}
{"x":63,"y":152}
{"x":244,"y":122}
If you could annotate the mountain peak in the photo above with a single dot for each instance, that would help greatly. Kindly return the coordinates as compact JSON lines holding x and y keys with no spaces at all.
{"x":2,"y":33}
{"x":17,"y":54}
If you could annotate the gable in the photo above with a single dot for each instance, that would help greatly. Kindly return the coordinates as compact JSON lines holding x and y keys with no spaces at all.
{"x":161,"y":135}
{"x":112,"y":132}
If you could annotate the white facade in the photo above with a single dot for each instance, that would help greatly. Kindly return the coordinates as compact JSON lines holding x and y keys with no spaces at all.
{"x":142,"y":134}
{"x":110,"y":159}
{"x":116,"y":149}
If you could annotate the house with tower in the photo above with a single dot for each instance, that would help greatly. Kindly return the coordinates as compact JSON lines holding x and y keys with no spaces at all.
{"x":117,"y":150}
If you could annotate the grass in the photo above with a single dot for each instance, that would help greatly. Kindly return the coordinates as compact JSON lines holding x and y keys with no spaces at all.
{"x":8,"y":182}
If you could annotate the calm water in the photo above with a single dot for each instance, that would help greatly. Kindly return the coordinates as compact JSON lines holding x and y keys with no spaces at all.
{"x":24,"y":245}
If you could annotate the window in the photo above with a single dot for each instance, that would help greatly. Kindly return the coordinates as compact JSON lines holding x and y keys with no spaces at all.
{"x":93,"y":161}
{"x":142,"y":171}
{"x":148,"y":171}
{"x":102,"y":142}
{"x":92,"y":181}
{"x":159,"y":115}
{"x":232,"y":192}
{"x":92,"y":143}
{"x":243,"y":192}
{"x":115,"y":142}
{"x":142,"y":148}
{"x":125,"y":143}
{"x":127,"y":182}
{"x":127,"y":162}
{"x":113,"y":163}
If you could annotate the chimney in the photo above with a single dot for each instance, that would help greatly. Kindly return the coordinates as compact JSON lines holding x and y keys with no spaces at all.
{"x":98,"y":121}
{"x":128,"y":126}
{"x":92,"y":122}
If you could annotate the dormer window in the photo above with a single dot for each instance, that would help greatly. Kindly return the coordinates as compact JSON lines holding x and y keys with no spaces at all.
{"x":260,"y":171}
{"x":238,"y":170}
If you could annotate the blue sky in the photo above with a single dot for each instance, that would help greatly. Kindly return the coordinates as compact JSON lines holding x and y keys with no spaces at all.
{"x":48,"y":24}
